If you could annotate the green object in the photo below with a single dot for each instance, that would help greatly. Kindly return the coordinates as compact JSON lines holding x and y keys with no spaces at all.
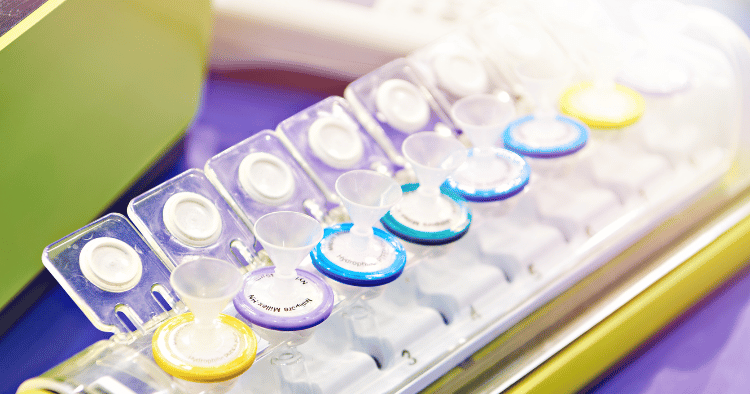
{"x":92,"y":94}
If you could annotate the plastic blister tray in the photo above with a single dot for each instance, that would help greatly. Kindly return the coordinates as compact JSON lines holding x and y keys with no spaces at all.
{"x":331,"y":140}
{"x":454,"y":67}
{"x":269,"y":180}
{"x":185,"y":217}
{"x":453,"y":300}
{"x":392,"y":101}
{"x":122,"y":277}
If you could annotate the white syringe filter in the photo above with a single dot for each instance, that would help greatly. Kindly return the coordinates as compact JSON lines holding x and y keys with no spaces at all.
{"x":367,"y":195}
{"x":579,"y":13}
{"x":355,"y":253}
{"x":433,"y":157}
{"x":206,"y":286}
{"x":483,"y":117}
{"x":544,"y":79}
{"x":287,"y":237}
{"x":282,"y":297}
{"x":205,"y":346}
{"x":609,"y":48}
{"x":521,"y":39}
{"x":426,"y":215}
{"x":659,"y":18}
{"x":654,"y":73}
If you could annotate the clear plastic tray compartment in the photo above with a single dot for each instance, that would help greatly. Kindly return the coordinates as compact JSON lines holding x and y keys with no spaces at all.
{"x":509,"y":40}
{"x":331,"y":140}
{"x":582,"y":29}
{"x":566,"y":224}
{"x":454,"y":67}
{"x":105,"y":367}
{"x":259,"y":176}
{"x":679,"y":122}
{"x":392,"y":99}
{"x":108,"y":269}
{"x":186,"y":217}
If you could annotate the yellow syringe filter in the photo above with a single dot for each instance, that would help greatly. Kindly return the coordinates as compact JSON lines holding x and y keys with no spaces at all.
{"x":224,"y":355}
{"x":602,"y":107}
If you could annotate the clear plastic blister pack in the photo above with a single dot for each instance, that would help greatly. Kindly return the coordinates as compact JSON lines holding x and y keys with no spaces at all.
{"x":508,"y":38}
{"x":454,"y":67}
{"x":588,"y":156}
{"x":392,"y":103}
{"x":109,"y":270}
{"x":185,"y":217}
{"x":259,"y":176}
{"x":680,"y":123}
{"x":332,"y":141}
{"x":106,"y":366}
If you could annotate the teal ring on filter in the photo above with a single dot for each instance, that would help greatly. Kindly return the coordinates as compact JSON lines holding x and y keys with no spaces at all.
{"x":502,"y":192}
{"x":424,"y":237}
{"x":547,"y":152}
{"x":355,"y":278}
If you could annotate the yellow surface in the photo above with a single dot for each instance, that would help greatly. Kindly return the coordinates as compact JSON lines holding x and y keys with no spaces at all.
{"x":194,"y":373}
{"x":28,"y":22}
{"x":569,"y":105}
{"x":618,"y":335}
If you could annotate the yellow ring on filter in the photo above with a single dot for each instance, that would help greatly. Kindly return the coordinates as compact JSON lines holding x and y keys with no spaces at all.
{"x":166,"y":358}
{"x":571,"y":104}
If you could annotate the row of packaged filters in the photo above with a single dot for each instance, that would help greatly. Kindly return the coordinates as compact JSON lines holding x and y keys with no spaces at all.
{"x":419,"y":249}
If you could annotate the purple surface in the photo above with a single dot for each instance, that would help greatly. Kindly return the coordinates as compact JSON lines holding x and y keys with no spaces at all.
{"x":53,"y":330}
{"x":706,"y":351}
{"x":262,"y":318}
{"x":234,"y":109}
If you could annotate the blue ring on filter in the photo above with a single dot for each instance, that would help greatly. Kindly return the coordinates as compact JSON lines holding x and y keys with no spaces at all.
{"x":423,"y":237}
{"x":502,"y":192}
{"x":355,"y":278}
{"x":549,"y":152}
